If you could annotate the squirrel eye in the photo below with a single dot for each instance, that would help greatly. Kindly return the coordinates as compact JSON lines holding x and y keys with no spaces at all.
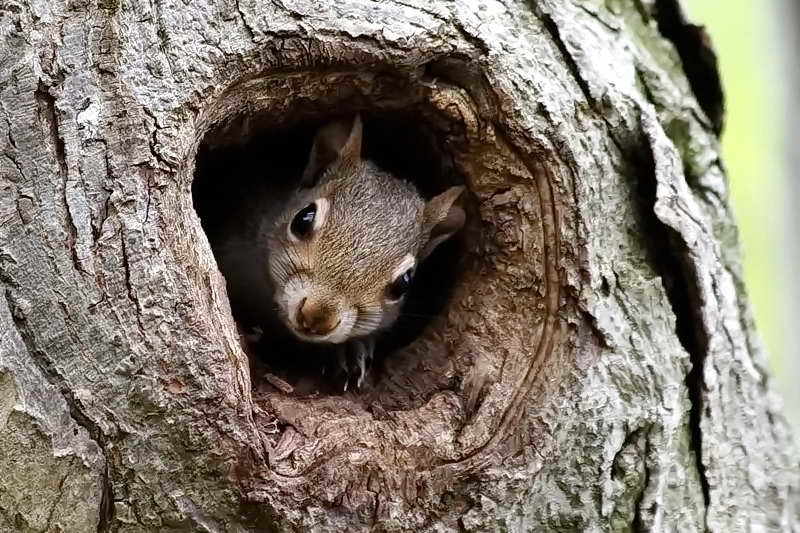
{"x":303,"y":221}
{"x":399,"y":287}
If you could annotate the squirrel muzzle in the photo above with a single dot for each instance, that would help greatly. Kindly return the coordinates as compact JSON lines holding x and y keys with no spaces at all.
{"x":316,"y":317}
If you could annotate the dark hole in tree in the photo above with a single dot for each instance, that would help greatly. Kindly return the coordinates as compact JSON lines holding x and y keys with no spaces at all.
{"x":229,"y":162}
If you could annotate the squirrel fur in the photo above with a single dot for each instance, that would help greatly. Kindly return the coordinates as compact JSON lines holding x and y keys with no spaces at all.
{"x":328,"y":259}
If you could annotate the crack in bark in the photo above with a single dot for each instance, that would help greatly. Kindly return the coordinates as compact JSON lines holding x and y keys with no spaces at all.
{"x":596,"y":16}
{"x":648,"y":92}
{"x":149,"y":189}
{"x":47,"y":113}
{"x":55,"y":379}
{"x":48,"y":116}
{"x":153,"y":141}
{"x":129,"y":287}
{"x":106,"y":502}
{"x":72,"y":231}
{"x":669,"y":253}
{"x":670,"y":262}
{"x":602,"y":337}
{"x":642,"y":10}
{"x":99,"y":220}
{"x":147,"y":170}
{"x":250,"y":33}
{"x":161,"y":33}
{"x":471,"y":38}
{"x":11,"y":140}
{"x":555,"y":35}
{"x":636,"y":524}
{"x":697,"y":57}
{"x":16,"y":165}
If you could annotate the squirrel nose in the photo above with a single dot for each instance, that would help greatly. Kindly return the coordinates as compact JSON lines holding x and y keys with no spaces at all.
{"x":316,"y":317}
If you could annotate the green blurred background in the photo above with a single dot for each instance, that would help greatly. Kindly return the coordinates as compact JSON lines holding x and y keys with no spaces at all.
{"x":757,"y":45}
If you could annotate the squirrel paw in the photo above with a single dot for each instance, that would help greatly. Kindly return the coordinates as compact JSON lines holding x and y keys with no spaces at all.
{"x":355,"y":360}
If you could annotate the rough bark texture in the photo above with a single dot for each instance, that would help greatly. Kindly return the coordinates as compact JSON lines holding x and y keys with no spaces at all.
{"x":596,"y":369}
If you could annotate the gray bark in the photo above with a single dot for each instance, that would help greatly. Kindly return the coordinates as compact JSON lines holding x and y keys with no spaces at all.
{"x":556,"y":393}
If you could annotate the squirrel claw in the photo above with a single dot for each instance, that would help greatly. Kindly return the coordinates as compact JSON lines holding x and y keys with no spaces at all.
{"x":355,"y":360}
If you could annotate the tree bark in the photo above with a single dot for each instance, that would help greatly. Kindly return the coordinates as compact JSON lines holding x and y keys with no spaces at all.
{"x":596,"y":368}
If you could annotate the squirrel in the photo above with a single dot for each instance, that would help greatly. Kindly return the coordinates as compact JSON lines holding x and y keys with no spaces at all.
{"x":329,"y":259}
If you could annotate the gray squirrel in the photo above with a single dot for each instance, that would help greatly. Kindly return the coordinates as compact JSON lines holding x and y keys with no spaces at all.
{"x":329,"y":259}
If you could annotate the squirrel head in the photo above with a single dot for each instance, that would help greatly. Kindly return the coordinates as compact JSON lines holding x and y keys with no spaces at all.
{"x":343,"y":253}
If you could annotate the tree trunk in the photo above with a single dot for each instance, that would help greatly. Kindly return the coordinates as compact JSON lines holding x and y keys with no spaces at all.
{"x":595,"y":367}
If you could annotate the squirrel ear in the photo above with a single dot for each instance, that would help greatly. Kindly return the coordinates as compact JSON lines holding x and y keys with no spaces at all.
{"x":337,"y":140}
{"x":443,"y":218}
